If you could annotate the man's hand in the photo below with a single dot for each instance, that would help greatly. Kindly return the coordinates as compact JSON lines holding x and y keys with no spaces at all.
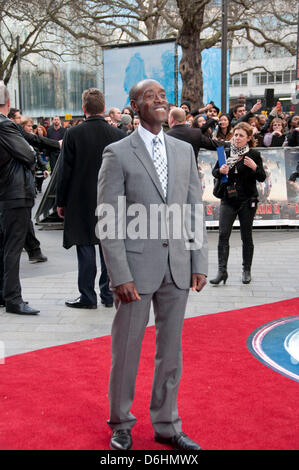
{"x":60,"y":143}
{"x":256,"y":106}
{"x":127,"y":292}
{"x":198,"y":282}
{"x":60,"y":212}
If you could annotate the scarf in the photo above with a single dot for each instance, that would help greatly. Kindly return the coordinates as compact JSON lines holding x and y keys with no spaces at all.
{"x":236,"y":154}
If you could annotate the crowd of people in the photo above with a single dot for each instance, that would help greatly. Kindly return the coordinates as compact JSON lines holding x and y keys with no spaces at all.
{"x":144,"y":153}
{"x":277,"y":129}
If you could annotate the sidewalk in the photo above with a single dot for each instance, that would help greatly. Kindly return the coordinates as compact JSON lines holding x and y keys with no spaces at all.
{"x":47,"y":285}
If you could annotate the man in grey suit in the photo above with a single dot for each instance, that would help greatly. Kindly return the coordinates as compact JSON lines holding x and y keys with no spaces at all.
{"x":145,"y":171}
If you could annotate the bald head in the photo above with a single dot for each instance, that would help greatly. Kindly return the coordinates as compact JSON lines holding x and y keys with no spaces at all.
{"x":4,"y":95}
{"x":176,"y":116}
{"x":115,"y":115}
{"x":4,"y":99}
{"x":139,"y":87}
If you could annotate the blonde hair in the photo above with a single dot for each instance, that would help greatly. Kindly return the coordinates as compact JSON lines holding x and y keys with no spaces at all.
{"x":25,"y":120}
{"x":277,"y":120}
{"x":249,"y":131}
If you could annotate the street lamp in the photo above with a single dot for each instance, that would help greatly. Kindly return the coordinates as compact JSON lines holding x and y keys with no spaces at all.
{"x":19,"y":73}
{"x":224,"y":57}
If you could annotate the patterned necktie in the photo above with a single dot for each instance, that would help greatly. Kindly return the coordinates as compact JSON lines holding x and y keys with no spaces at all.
{"x":160,"y":164}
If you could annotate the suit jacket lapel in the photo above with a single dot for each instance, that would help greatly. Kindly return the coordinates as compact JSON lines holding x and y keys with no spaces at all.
{"x":142,"y":154}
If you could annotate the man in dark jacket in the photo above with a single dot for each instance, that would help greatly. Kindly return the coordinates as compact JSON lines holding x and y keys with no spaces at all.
{"x":240,"y":114}
{"x":17,"y":192}
{"x":55,"y":132}
{"x":180,"y":130}
{"x":293,"y":138}
{"x":80,"y":161}
{"x":32,"y":244}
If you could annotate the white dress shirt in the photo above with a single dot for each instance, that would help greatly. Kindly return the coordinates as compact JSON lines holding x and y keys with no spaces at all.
{"x":148,"y":137}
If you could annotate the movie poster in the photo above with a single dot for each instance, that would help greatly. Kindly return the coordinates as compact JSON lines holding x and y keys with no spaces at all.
{"x":272,"y":193}
{"x":292,"y":183}
{"x":278,"y":194}
{"x":206,"y":162}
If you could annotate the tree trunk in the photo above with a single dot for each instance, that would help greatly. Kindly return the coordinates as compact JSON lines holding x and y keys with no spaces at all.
{"x":191,"y":12}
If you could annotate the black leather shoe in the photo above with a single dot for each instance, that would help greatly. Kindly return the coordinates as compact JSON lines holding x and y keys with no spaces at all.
{"x":40,"y":258}
{"x":179,"y":441}
{"x":21,"y":309}
{"x":78,"y":304}
{"x":2,"y":302}
{"x":107,"y":304}
{"x":121,"y":440}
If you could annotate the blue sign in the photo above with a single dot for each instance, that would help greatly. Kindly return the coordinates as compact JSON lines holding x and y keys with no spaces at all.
{"x":124,"y":66}
{"x":276,"y":344}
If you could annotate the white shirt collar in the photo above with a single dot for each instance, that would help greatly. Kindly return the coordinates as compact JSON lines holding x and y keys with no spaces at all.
{"x":148,"y":137}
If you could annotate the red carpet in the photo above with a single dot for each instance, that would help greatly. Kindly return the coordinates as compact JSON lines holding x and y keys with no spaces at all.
{"x":56,"y":398}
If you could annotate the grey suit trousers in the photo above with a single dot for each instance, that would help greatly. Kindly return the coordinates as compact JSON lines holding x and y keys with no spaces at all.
{"x":128,"y":329}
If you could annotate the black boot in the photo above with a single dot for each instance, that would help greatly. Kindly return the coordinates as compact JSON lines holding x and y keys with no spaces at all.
{"x":221,"y":276}
{"x":223,"y":252}
{"x":246,"y":276}
{"x":247,"y":261}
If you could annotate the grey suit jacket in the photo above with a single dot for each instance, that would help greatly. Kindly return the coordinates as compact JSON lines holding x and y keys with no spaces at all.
{"x":128,"y":172}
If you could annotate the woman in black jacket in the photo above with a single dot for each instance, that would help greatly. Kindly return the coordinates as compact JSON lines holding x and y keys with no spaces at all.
{"x":243,"y":167}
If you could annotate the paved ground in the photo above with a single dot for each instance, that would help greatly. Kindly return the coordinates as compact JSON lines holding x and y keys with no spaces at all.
{"x":47,"y":286}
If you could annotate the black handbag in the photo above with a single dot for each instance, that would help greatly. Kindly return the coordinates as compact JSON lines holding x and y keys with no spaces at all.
{"x":219,"y":188}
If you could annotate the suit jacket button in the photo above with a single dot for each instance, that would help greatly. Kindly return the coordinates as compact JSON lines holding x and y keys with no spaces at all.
{"x":165,"y":244}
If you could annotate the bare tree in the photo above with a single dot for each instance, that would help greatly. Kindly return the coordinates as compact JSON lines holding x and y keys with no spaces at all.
{"x":195,"y":24}
{"x":38,"y":34}
{"x":60,"y":28}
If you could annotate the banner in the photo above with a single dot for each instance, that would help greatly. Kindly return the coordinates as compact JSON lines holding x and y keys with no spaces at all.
{"x":126,"y":65}
{"x":278,"y":195}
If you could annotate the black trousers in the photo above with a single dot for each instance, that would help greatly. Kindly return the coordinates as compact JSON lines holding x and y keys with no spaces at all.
{"x":53,"y":157}
{"x":1,"y":260}
{"x":87,"y":271}
{"x":39,"y":182}
{"x":14,"y":226}
{"x":32,"y":244}
{"x":229,"y":211}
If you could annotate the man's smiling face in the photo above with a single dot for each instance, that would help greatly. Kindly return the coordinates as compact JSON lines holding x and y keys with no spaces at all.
{"x":151,"y":105}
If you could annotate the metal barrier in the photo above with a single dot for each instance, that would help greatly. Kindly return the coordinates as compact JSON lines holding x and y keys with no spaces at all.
{"x":278,"y":195}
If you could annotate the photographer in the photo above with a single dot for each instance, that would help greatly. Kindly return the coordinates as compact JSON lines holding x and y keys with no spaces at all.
{"x":243,"y":167}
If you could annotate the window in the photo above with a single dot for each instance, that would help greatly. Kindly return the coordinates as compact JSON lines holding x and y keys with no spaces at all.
{"x":283,"y":76}
{"x":240,"y":79}
{"x":263,"y":78}
{"x":269,"y":52}
{"x":279,"y":77}
{"x":54,"y":91}
{"x":239,"y":53}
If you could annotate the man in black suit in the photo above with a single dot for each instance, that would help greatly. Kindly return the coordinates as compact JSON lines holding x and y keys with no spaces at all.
{"x":80,"y":161}
{"x":180,"y":130}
